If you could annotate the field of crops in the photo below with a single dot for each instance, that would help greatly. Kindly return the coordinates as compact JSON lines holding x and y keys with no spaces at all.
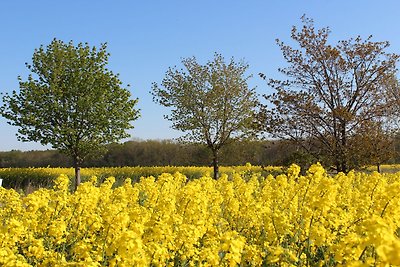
{"x":22,"y":178}
{"x":244,"y":219}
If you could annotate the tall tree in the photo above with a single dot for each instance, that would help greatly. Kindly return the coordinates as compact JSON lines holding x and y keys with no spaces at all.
{"x":331,"y":92}
{"x":71,"y":101}
{"x":212,"y":103}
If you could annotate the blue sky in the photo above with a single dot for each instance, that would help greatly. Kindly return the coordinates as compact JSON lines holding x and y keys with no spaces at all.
{"x":146,"y":37}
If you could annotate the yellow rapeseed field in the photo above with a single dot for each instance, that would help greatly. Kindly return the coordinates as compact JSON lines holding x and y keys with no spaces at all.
{"x":287,"y":220}
{"x":18,"y":178}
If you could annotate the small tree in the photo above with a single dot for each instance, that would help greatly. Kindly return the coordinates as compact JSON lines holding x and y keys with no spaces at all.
{"x":71,"y":101}
{"x":211,"y":103}
{"x":331,"y":92}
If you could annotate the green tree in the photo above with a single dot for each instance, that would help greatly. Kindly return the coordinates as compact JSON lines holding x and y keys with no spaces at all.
{"x":332,"y":92}
{"x":212,"y":103}
{"x":71,"y":101}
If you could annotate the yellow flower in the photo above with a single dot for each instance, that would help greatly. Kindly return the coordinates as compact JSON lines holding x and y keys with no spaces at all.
{"x":240,"y":219}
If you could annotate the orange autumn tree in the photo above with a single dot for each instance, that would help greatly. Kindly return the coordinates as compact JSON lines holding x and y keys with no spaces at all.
{"x":331,"y":93}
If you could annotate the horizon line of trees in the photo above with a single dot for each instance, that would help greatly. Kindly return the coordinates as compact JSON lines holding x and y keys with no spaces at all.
{"x":173,"y":153}
{"x":157,"y":153}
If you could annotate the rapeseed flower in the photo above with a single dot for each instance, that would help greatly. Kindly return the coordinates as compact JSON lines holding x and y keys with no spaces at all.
{"x":240,"y":219}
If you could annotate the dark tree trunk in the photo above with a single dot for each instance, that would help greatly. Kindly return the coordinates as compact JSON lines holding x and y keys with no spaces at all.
{"x":343,"y":156}
{"x":344,"y":166}
{"x":215,"y":163}
{"x":337,"y":167}
{"x":378,"y":166}
{"x":77,"y":168}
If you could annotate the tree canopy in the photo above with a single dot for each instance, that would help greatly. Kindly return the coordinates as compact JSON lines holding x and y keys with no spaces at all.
{"x":332,"y":94}
{"x":71,"y":101}
{"x":212,"y":103}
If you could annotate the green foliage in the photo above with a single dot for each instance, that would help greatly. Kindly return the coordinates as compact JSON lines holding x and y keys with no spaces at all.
{"x":210,"y":103}
{"x":71,"y":101}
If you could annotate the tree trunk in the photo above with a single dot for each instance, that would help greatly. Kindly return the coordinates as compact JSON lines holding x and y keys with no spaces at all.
{"x":378,"y":166}
{"x":77,"y":173}
{"x":215,"y":163}
{"x":343,"y":166}
{"x":343,"y":156}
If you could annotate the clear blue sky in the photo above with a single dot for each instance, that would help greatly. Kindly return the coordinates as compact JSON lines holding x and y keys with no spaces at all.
{"x":146,"y":37}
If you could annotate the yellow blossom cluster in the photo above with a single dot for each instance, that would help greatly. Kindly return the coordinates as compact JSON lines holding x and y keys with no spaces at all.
{"x":287,"y":220}
{"x":43,"y":177}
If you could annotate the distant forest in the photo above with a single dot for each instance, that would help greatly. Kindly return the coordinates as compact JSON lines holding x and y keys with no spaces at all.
{"x":160,"y":153}
{"x":168,"y":152}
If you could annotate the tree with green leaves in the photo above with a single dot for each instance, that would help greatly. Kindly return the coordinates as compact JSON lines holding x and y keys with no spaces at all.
{"x":212,"y":103}
{"x":332,"y":93}
{"x":71,"y":101}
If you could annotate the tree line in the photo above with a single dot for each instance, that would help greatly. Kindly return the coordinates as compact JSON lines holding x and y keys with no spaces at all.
{"x":160,"y":153}
{"x":337,"y":103}
{"x":173,"y":153}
